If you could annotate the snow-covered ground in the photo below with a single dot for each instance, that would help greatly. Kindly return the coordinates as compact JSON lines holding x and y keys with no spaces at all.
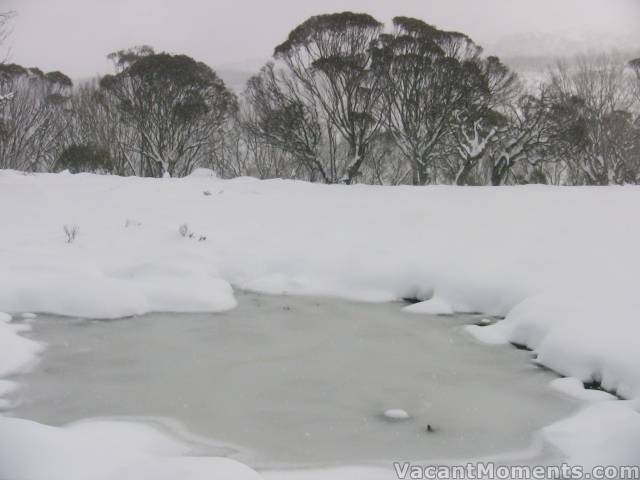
{"x":560,"y":263}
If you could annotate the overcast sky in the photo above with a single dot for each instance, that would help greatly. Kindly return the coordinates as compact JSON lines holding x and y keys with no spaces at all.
{"x":75,"y":35}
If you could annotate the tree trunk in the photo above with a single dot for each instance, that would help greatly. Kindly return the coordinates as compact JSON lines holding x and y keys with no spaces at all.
{"x":462,"y":178}
{"x":356,"y":155}
{"x":500,"y":171}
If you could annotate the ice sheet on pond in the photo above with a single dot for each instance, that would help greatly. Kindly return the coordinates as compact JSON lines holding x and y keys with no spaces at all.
{"x":298,"y":381}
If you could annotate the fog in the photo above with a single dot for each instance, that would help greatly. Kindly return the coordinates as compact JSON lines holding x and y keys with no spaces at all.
{"x":75,"y":35}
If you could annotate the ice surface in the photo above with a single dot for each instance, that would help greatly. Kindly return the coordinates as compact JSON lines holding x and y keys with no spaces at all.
{"x":298,"y":381}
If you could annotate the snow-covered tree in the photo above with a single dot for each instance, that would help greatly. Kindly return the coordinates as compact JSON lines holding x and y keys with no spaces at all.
{"x":593,"y":102}
{"x":33,"y":116}
{"x":482,"y":119}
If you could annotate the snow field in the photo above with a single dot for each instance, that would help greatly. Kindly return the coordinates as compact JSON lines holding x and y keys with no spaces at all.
{"x":560,"y":263}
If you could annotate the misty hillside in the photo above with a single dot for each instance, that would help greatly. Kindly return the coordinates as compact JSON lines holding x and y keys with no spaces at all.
{"x":539,"y":45}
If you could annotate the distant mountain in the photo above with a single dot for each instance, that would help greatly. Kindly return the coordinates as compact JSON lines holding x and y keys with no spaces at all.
{"x":236,"y":80}
{"x":532,"y":45}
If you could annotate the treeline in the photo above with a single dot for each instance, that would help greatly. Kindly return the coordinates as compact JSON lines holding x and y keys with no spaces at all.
{"x":343,"y":101}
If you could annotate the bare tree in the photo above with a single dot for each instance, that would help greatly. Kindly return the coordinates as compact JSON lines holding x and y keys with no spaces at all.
{"x":279,"y":114}
{"x":34,"y":118}
{"x":424,"y":73}
{"x":174,"y":103}
{"x":593,"y":100}
{"x":330,"y":56}
{"x":97,"y":122}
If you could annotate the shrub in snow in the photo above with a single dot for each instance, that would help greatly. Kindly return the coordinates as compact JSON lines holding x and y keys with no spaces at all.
{"x":132,"y":223}
{"x":184,"y":231}
{"x":71,"y":232}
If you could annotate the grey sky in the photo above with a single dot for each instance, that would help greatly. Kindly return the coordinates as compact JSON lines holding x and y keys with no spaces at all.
{"x":75,"y":35}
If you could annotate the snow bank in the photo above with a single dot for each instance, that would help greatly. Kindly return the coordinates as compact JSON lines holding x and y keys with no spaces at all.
{"x":433,"y":306}
{"x":605,"y":433}
{"x":589,"y":335}
{"x":16,"y":352}
{"x":112,"y":294}
{"x":104,"y":451}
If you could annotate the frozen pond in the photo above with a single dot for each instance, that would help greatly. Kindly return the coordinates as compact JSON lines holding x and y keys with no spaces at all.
{"x":297,"y":381}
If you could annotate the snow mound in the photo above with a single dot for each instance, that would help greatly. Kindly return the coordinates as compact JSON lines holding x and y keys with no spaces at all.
{"x":104,"y":451}
{"x":396,"y":414}
{"x":434,"y":306}
{"x":16,"y":352}
{"x":491,"y":334}
{"x":99,"y":295}
{"x":605,"y":433}
{"x":575,"y":388}
{"x":584,"y":334}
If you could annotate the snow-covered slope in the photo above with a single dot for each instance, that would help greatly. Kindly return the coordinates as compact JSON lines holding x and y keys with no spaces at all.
{"x":560,"y":263}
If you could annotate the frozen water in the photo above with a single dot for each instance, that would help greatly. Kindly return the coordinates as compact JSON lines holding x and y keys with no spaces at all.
{"x":297,"y":381}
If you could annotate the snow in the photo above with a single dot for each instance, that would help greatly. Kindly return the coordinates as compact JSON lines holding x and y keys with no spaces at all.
{"x":433,"y":306}
{"x":560,"y":263}
{"x":396,"y":414}
{"x":605,"y":433}
{"x":16,"y":352}
{"x":575,"y":388}
{"x":339,"y":473}
{"x":104,"y":451}
{"x":586,"y":334}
